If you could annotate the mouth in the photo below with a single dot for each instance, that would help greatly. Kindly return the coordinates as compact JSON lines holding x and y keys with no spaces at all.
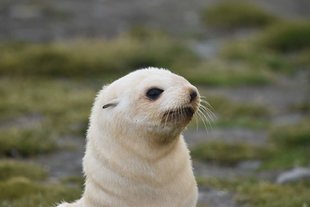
{"x":183,"y":113}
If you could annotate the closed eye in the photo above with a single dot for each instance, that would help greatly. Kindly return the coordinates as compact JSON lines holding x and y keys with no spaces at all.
{"x":154,"y":93}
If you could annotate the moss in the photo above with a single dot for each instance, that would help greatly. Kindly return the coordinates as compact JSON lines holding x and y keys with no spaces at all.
{"x":227,"y":153}
{"x":287,"y":37}
{"x":11,"y":168}
{"x":19,"y":192}
{"x":236,"y":14}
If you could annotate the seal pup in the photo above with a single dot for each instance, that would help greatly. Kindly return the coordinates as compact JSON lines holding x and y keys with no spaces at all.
{"x":136,"y":155}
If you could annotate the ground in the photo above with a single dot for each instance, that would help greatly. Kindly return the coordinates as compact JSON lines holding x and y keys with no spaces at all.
{"x":258,"y":92}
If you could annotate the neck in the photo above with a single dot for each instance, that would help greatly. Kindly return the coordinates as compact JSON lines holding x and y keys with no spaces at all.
{"x":119,"y":162}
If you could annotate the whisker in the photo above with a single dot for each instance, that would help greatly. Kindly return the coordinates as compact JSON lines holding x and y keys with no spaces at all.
{"x":202,"y":119}
{"x":208,"y":112}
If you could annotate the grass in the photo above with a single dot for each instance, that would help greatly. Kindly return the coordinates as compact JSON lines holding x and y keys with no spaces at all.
{"x":66,"y":100}
{"x":302,"y":107}
{"x":64,"y":106}
{"x":287,"y":147}
{"x":251,"y":192}
{"x":223,"y":73}
{"x":26,"y":142}
{"x":297,"y":135}
{"x":232,"y":114}
{"x":228,"y":113}
{"x":233,"y":109}
{"x":99,"y":58}
{"x":235,"y":15}
{"x":247,"y":51}
{"x":25,"y":184}
{"x":302,"y":59}
{"x":281,"y":48}
{"x":58,"y":82}
{"x":10,"y":169}
{"x":286,"y":37}
{"x":227,"y":153}
{"x":287,"y":158}
{"x":20,"y":192}
{"x":292,"y":146}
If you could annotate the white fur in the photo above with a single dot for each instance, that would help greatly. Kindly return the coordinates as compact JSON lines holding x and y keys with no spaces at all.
{"x":132,"y":159}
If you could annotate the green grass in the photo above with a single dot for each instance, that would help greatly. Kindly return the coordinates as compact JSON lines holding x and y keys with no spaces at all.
{"x":228,"y":113}
{"x":292,"y":146}
{"x":232,"y":114}
{"x":286,"y":37}
{"x":302,"y":59}
{"x":281,"y":48}
{"x":234,"y":109}
{"x":64,"y":104}
{"x":100,"y":58}
{"x":302,"y":107}
{"x":227,"y":153}
{"x":287,"y":147}
{"x":246,"y":51}
{"x":223,"y":73}
{"x":287,"y":158}
{"x":235,"y":15}
{"x":10,"y":169}
{"x":250,"y":192}
{"x":20,"y":192}
{"x":26,"y":142}
{"x":297,"y":135}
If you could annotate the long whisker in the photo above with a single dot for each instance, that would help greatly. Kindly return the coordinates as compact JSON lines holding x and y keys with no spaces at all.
{"x":211,"y":116}
{"x":202,"y":119}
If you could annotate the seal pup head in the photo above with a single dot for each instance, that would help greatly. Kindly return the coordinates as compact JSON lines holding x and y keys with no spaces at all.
{"x":149,"y":101}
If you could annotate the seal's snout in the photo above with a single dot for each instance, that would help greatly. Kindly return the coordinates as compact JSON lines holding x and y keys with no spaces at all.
{"x":193,"y":95}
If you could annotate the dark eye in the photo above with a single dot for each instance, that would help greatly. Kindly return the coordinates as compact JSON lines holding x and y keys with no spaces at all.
{"x":154,"y":93}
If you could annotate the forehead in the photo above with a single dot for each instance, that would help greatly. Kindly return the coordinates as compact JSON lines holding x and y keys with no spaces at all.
{"x":143,"y":79}
{"x":160,"y":78}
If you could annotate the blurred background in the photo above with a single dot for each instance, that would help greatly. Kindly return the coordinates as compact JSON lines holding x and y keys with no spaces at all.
{"x":250,"y":59}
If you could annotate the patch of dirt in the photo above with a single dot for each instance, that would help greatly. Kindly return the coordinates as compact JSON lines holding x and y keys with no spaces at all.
{"x":255,"y":137}
{"x":22,"y":122}
{"x":67,"y":161}
{"x":215,"y":198}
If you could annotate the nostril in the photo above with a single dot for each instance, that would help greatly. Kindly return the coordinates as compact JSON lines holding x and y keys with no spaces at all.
{"x":193,"y":95}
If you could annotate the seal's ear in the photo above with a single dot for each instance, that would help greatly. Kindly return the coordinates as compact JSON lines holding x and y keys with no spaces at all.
{"x":112,"y":103}
{"x":109,"y":105}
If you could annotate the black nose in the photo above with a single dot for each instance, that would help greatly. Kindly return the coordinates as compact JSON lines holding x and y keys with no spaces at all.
{"x":193,"y":95}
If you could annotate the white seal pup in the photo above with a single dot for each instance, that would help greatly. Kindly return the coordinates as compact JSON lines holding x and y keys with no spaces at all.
{"x":135,"y":154}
